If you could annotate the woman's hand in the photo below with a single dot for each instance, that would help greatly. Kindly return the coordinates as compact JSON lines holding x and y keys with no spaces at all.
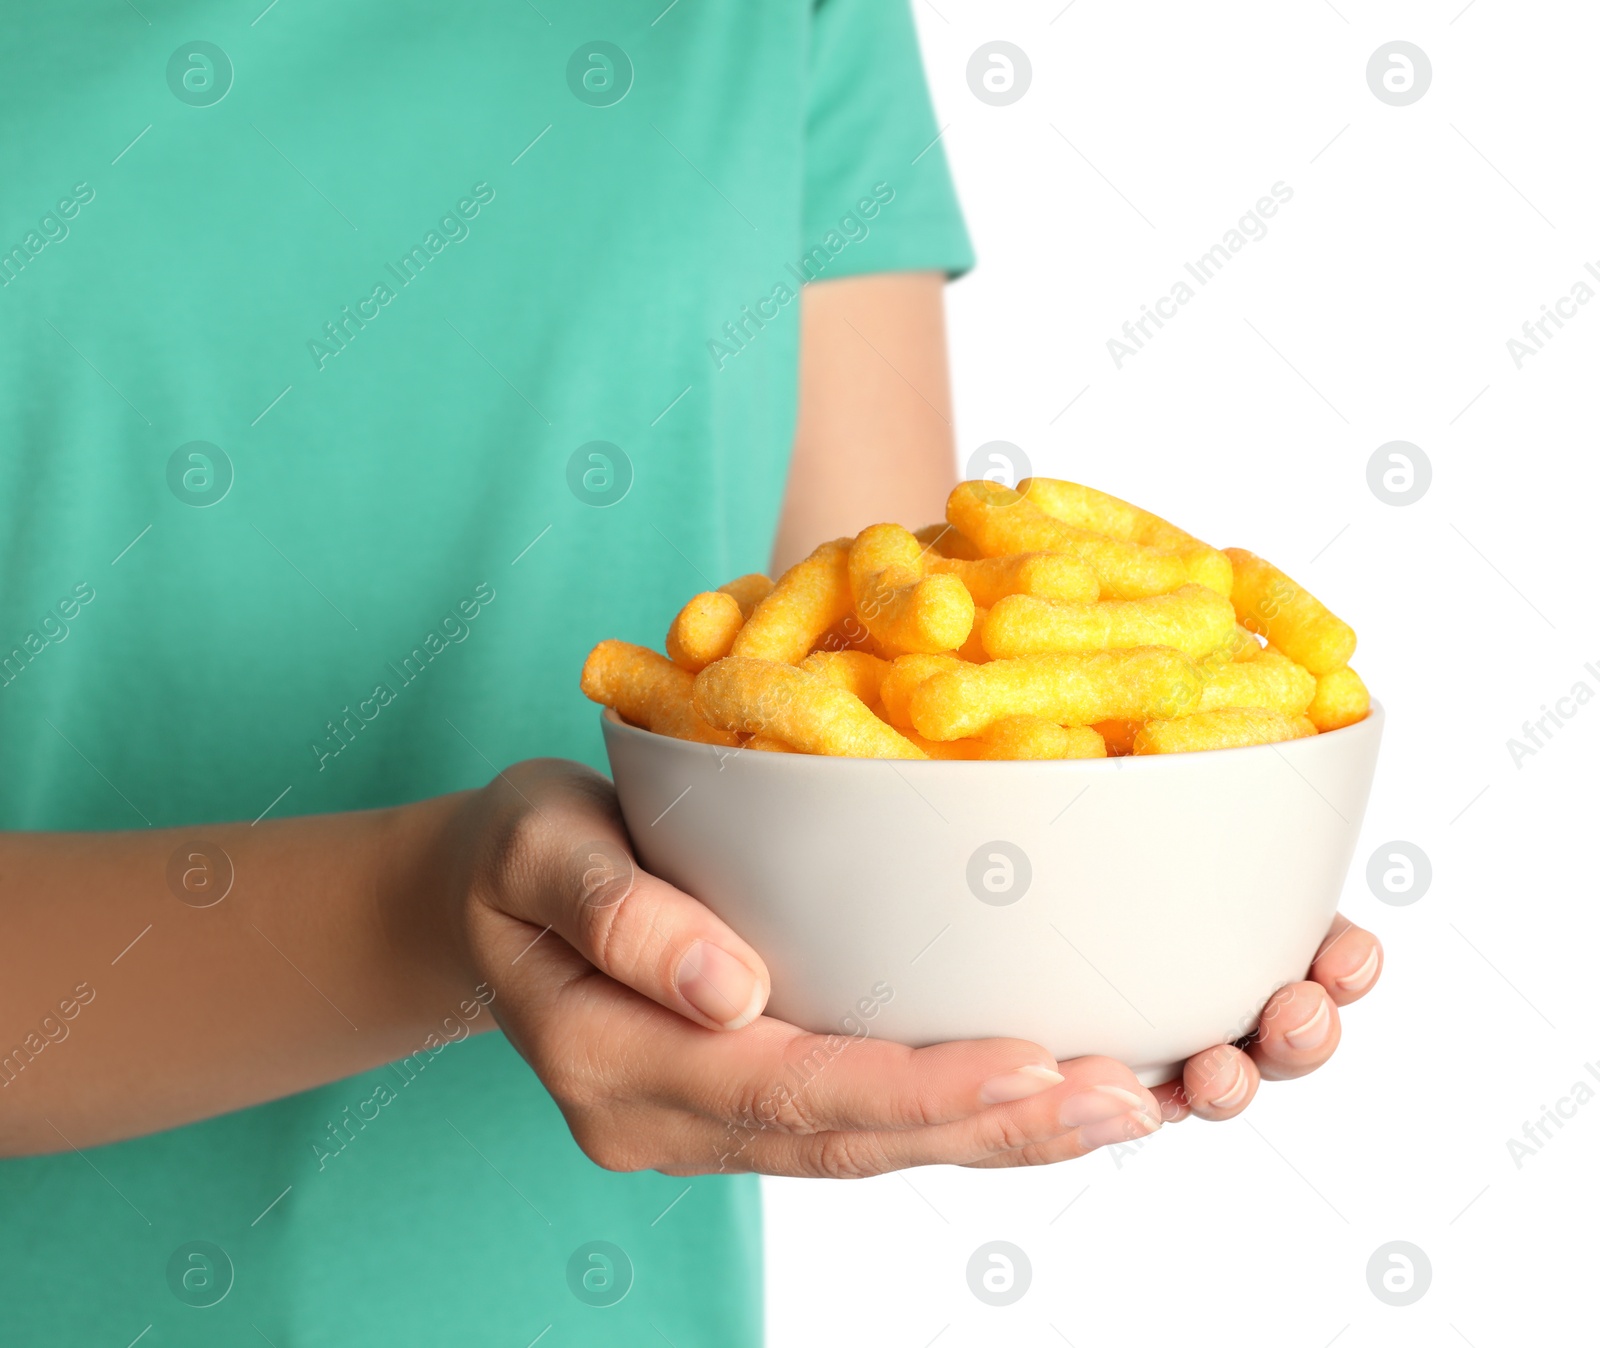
{"x":1299,"y":1031}
{"x":640,"y":1011}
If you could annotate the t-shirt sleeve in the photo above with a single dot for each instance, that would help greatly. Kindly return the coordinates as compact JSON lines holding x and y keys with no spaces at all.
{"x":875,"y":171}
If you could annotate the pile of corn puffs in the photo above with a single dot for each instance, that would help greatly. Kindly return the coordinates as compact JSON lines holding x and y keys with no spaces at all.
{"x":1052,"y":621}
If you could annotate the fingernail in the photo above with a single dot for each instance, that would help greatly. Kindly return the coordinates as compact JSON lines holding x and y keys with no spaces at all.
{"x":720,"y":987}
{"x":1018,"y":1085}
{"x":1311,"y":1033}
{"x":1236,"y":1090}
{"x":1123,"y":1128}
{"x":1098,"y":1105}
{"x":1361,"y":977}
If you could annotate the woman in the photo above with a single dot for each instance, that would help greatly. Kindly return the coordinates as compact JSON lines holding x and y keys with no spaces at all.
{"x":365,"y":367}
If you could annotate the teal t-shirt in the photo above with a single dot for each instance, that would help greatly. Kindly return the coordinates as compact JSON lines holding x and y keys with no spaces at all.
{"x":361,"y":365}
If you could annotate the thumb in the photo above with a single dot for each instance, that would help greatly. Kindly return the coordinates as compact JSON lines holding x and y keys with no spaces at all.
{"x":644,"y":933}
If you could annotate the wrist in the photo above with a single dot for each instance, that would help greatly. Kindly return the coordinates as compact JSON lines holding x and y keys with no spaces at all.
{"x":419,"y":902}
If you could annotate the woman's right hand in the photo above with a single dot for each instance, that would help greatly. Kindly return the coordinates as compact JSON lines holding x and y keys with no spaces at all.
{"x":640,"y":1010}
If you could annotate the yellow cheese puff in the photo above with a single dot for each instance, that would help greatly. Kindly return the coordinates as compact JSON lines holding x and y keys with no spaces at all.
{"x":954,"y":749}
{"x":1049,"y":575}
{"x":747,"y":591}
{"x":848,"y":634}
{"x":768,"y":744}
{"x":936,"y":614}
{"x":1244,"y":645}
{"x":764,"y":697}
{"x":1067,"y":689}
{"x":1270,"y":682}
{"x":1341,"y":699}
{"x":647,"y":690}
{"x":1119,"y":736}
{"x":906,"y":612}
{"x":1193,"y":619}
{"x":1086,"y":508}
{"x":972,"y":648}
{"x":809,"y":599}
{"x":1206,"y":565}
{"x":704,"y":630}
{"x":1291,"y":618}
{"x":1089,"y":508}
{"x":860,"y":673}
{"x":1233,"y":728}
{"x":1000,"y":521}
{"x":902,"y":679}
{"x":1032,"y":737}
{"x":945,"y":540}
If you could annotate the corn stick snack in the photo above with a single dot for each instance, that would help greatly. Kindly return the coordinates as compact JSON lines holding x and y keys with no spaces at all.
{"x":954,"y":749}
{"x":813,"y":716}
{"x":1033,"y":737}
{"x":705,"y":627}
{"x":1341,"y":699}
{"x":945,"y":540}
{"x":1053,"y":622}
{"x":704,"y":630}
{"x":747,"y":591}
{"x":999,"y":521}
{"x":1086,"y":508}
{"x":1049,"y":575}
{"x":1118,"y":736}
{"x":1270,"y":682}
{"x":856,"y":671}
{"x":848,"y":634}
{"x":809,"y":598}
{"x":768,"y":744}
{"x":1244,"y":644}
{"x":1234,"y":728}
{"x":904,"y":677}
{"x":1192,"y":619}
{"x":648,"y":690}
{"x":972,"y":648}
{"x":1291,"y":618}
{"x":906,"y":611}
{"x":1134,"y":685}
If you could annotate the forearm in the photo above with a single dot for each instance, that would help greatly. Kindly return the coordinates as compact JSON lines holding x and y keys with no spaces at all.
{"x":332,"y":952}
{"x":873,"y":439}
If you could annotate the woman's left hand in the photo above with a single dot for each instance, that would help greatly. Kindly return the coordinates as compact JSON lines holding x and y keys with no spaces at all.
{"x":1299,"y":1031}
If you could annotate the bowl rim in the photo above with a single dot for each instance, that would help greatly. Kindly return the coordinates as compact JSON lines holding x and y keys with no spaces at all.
{"x":1371,"y":724}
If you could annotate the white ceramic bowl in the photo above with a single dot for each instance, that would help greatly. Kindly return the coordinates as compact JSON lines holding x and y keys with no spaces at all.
{"x":1143,"y":908}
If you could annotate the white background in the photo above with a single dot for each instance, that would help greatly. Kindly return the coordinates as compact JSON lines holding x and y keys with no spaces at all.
{"x":1377,"y":307}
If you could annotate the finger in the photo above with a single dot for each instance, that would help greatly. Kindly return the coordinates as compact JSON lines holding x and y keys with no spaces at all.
{"x":1068,"y":1147}
{"x":680,"y":1144}
{"x":785,"y":1079}
{"x":1173,"y":1101}
{"x":629,"y":924}
{"x":1299,"y":1032}
{"x":1047,"y":1128}
{"x":652,"y":937}
{"x":1220,"y":1082}
{"x":1349,"y":962}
